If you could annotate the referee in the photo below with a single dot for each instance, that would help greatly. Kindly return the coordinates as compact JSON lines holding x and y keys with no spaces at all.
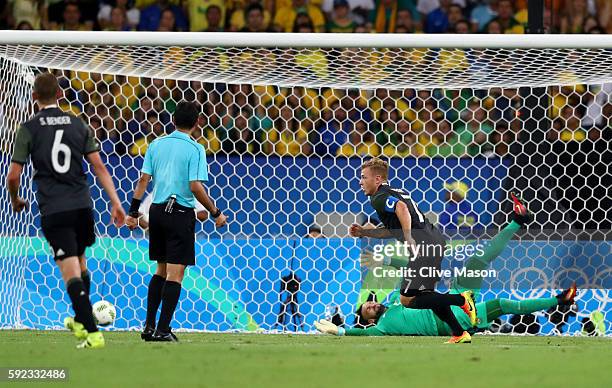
{"x":177,"y":165}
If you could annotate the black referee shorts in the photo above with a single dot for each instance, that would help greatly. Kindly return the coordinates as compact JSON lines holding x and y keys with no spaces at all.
{"x":172,"y":235}
{"x":69,"y":232}
{"x":426,"y":266}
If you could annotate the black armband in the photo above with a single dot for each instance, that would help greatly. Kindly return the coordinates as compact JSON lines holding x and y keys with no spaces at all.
{"x":134,"y":207}
{"x":217,"y":213}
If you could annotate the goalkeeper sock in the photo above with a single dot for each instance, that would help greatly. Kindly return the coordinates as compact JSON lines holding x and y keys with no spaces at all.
{"x":81,"y":304}
{"x":440,"y":305}
{"x":154,"y":297}
{"x":86,"y":281}
{"x":170,"y":297}
{"x":499,"y":307}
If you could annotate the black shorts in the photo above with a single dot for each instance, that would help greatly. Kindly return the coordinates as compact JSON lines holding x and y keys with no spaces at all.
{"x":425,"y":267}
{"x":172,"y":235}
{"x":69,"y":232}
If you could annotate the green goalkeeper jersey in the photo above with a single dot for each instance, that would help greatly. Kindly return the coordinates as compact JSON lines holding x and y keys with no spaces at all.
{"x":399,"y":320}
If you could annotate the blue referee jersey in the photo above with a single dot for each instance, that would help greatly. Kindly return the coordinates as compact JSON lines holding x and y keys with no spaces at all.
{"x":173,"y":161}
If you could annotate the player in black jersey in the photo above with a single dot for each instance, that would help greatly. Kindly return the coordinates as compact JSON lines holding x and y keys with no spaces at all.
{"x":56,"y":143}
{"x":402,"y":220}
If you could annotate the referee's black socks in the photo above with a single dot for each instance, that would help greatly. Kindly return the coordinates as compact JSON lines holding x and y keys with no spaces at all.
{"x":154,"y":297}
{"x":81,"y":304}
{"x":170,"y":297}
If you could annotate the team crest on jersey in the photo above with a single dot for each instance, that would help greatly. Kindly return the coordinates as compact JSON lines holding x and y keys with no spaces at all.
{"x":390,"y":204}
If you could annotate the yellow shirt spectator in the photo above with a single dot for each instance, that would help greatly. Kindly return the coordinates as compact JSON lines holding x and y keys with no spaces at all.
{"x":237,"y":21}
{"x":140,"y":146}
{"x":287,"y":142}
{"x":362,"y":149}
{"x":209,"y":140}
{"x":197,"y":13}
{"x":285,"y":17}
{"x":316,"y":61}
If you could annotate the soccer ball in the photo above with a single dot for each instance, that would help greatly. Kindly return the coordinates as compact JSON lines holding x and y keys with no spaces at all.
{"x":104,"y":313}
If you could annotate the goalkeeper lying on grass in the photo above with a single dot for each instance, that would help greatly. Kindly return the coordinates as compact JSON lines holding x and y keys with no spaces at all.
{"x":395,"y":319}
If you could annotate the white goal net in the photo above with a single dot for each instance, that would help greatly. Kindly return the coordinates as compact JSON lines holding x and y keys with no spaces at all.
{"x":286,"y":130}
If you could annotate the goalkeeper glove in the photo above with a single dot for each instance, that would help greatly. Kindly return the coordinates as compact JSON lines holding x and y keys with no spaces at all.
{"x":326,"y":327}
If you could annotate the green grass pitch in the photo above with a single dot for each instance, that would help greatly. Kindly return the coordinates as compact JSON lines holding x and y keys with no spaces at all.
{"x":256,"y":360}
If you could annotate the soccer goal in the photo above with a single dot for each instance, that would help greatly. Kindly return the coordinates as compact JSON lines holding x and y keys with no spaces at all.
{"x":287,"y":120}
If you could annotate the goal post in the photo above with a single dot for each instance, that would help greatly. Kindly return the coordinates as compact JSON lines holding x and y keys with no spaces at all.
{"x":287,"y":120}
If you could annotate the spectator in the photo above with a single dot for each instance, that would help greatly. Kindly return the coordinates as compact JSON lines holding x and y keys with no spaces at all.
{"x":132,"y":13}
{"x":360,"y":9}
{"x":118,"y":21}
{"x":167,"y":21}
{"x":444,"y":142}
{"x":474,"y":128}
{"x":405,"y":20}
{"x":462,"y":27}
{"x":604,"y":13}
{"x":455,"y":14}
{"x":361,"y":142}
{"x":458,"y":211}
{"x":287,"y":137}
{"x":591,"y":23}
{"x":409,"y":147}
{"x":494,"y":27}
{"x":482,"y":14}
{"x":425,"y":7}
{"x":286,"y":16}
{"x":341,"y":20}
{"x":214,"y":19}
{"x":303,"y":21}
{"x":153,"y":129}
{"x":437,"y":20}
{"x":573,"y":19}
{"x":24,"y":26}
{"x":505,"y":18}
{"x":151,"y":16}
{"x":363,"y":29}
{"x":71,"y":19}
{"x":240,"y":139}
{"x":254,"y":18}
{"x":199,"y":15}
{"x":332,"y":133}
{"x":33,"y":12}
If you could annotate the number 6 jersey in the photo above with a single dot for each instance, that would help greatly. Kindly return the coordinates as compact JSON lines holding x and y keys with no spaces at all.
{"x":56,"y":142}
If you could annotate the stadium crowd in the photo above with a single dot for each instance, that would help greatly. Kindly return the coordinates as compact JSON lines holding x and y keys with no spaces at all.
{"x":127,"y":112}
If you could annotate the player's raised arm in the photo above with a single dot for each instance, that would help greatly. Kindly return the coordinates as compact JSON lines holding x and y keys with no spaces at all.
{"x":99,"y":169}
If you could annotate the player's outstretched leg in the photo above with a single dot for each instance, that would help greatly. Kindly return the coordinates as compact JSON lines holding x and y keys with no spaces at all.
{"x":493,"y":249}
{"x":170,"y":297}
{"x":154,"y":298}
{"x":498,"y":307}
